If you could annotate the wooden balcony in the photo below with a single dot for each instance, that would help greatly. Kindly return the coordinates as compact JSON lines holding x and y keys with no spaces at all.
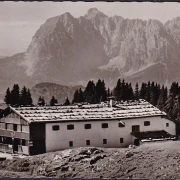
{"x":14,"y":134}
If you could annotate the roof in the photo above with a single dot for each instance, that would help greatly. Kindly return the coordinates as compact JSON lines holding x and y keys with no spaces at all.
{"x":123,"y":110}
{"x":152,"y":135}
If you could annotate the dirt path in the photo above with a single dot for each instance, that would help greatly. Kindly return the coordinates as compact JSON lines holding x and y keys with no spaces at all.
{"x":152,"y":160}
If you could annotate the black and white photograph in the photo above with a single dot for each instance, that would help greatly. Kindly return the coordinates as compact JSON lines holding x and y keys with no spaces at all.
{"x":90,"y":90}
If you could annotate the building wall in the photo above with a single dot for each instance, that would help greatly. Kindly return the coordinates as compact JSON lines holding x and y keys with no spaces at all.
{"x":57,"y":140}
{"x":14,"y":127}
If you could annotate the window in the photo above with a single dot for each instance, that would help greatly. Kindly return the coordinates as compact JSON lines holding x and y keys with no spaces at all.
{"x":121,"y":124}
{"x":121,"y":140}
{"x":135,"y":128}
{"x":87,"y":142}
{"x":55,"y":127}
{"x":104,"y":125}
{"x":70,"y":126}
{"x":146,"y":123}
{"x":2,"y":125}
{"x":14,"y":127}
{"x":25,"y":128}
{"x":70,"y":143}
{"x":167,"y":124}
{"x":87,"y":126}
{"x":104,"y":141}
{"x":9,"y":126}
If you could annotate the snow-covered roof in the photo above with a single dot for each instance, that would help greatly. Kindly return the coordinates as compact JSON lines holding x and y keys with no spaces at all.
{"x":122,"y":110}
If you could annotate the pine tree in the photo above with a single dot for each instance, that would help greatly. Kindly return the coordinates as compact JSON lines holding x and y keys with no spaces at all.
{"x":152,"y":98}
{"x":67,"y":102}
{"x":76,"y":97}
{"x":29,"y":100}
{"x":161,"y":100}
{"x":53,"y":101}
{"x":174,"y":89}
{"x":41,"y":101}
{"x":117,"y":91}
{"x":15,"y":99}
{"x":98,"y":91}
{"x":143,"y":90}
{"x":7,"y":98}
{"x":103,"y":91}
{"x":165,"y":94}
{"x":176,"y":108}
{"x":23,"y":96}
{"x":148,"y":92}
{"x":157,"y":93}
{"x":136,"y":93}
{"x":81,"y":96}
{"x":169,"y":105}
{"x":130,"y":92}
{"x":123,"y":90}
{"x":89,"y":92}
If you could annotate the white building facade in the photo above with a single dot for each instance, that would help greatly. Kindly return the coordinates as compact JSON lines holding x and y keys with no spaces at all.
{"x":106,"y":133}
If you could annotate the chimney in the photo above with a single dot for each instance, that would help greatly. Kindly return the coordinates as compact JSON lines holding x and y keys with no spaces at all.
{"x":111,"y":101}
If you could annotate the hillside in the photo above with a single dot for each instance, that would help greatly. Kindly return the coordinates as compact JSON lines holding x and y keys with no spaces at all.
{"x":47,"y":90}
{"x":152,"y":160}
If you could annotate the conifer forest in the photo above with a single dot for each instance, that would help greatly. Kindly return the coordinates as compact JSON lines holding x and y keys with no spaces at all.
{"x":165,"y":99}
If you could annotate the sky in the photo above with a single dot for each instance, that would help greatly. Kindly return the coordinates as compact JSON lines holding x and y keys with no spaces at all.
{"x":20,"y":20}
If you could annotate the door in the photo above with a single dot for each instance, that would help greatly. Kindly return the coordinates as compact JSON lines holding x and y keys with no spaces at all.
{"x":136,"y":142}
{"x":15,"y":145}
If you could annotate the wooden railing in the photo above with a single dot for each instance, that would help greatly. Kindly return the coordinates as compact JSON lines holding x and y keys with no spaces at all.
{"x":14,"y":134}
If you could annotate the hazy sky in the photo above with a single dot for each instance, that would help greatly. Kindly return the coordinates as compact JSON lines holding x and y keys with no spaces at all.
{"x":20,"y":20}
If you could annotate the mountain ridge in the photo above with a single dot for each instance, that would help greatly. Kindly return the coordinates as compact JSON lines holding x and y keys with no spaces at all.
{"x":70,"y":51}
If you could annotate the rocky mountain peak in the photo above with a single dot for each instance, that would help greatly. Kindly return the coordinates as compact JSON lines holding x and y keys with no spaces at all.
{"x":174,"y":20}
{"x":173,"y":28}
{"x":94,"y":12}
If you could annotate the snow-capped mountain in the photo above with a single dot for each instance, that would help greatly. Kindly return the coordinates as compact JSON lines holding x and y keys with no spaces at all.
{"x":69,"y":51}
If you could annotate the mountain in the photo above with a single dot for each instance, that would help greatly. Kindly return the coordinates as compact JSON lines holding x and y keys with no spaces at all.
{"x":1,"y":57}
{"x":135,"y":45}
{"x":70,"y":51}
{"x":12,"y":72}
{"x":65,"y":49}
{"x":47,"y":90}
